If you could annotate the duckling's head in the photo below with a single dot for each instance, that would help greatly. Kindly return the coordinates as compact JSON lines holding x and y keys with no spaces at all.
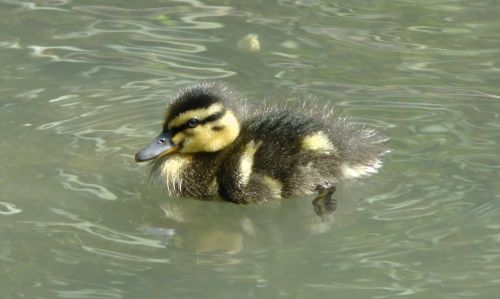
{"x":200,"y":119}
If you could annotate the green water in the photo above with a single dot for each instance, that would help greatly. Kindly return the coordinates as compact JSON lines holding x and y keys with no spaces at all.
{"x":83,"y":85}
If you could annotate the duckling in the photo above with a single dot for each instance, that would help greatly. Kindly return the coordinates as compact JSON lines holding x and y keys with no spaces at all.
{"x":214,"y":146}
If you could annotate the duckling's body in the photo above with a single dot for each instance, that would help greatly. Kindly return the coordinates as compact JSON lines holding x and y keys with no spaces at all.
{"x":214,"y":147}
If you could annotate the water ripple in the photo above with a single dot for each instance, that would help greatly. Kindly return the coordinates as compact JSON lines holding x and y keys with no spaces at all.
{"x":191,"y":19}
{"x":50,"y":5}
{"x":52,"y":52}
{"x":128,"y":257}
{"x":8,"y":209}
{"x":95,"y":230}
{"x":73,"y":182}
{"x":84,"y":291}
{"x":163,"y":42}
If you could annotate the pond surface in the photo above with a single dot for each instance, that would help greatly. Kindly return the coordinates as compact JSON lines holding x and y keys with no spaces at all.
{"x":83,"y":85}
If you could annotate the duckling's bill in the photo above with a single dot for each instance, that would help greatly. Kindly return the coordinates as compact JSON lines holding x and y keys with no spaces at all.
{"x":161,"y":145}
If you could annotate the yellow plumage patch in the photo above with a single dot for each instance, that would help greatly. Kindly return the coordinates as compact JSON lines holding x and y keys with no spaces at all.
{"x":246,"y":161}
{"x":172,"y":171}
{"x":354,"y":171}
{"x":204,"y":138}
{"x":274,"y":186}
{"x":318,"y":142}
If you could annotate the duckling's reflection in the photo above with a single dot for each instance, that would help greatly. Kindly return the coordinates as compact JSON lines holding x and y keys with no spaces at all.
{"x":219,"y":227}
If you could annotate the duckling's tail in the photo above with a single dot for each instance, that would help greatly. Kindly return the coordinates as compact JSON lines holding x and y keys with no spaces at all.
{"x":361,"y":150}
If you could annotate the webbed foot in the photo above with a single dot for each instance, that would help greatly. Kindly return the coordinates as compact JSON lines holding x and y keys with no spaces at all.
{"x":324,"y":204}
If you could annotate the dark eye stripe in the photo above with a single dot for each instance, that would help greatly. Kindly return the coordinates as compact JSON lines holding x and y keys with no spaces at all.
{"x":210,"y":118}
{"x":213,"y":117}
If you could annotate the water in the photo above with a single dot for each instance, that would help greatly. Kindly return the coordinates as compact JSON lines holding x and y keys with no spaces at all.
{"x":83,"y":86}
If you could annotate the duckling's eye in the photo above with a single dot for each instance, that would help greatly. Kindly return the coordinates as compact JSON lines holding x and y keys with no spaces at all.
{"x":193,"y":122}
